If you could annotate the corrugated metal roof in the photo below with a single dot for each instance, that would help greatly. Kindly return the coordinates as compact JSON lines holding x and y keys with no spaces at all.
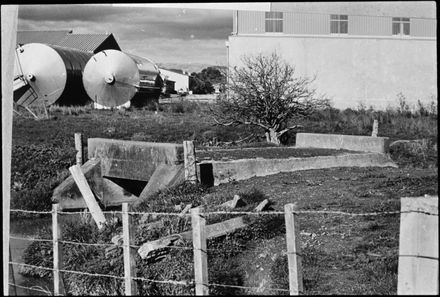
{"x":84,"y":42}
{"x":49,"y":37}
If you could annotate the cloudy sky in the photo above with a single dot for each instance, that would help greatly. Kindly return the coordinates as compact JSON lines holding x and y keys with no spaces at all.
{"x":166,"y":35}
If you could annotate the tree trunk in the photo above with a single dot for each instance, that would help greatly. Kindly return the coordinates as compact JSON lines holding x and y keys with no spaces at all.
{"x":273,"y":137}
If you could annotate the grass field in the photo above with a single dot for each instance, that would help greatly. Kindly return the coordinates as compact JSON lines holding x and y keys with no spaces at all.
{"x":341,"y":254}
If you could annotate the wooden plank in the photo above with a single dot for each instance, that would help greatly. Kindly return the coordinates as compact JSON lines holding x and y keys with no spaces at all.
{"x":234,"y":203}
{"x":418,"y":269}
{"x":263,"y":205}
{"x":293,"y":250}
{"x":9,"y":35}
{"x":79,"y":149}
{"x":129,"y":259}
{"x":200,"y":255}
{"x":189,"y":155}
{"x":58,"y":285}
{"x":88,"y":196}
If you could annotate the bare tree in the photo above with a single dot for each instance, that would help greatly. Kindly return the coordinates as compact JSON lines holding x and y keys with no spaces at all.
{"x":264,"y":92}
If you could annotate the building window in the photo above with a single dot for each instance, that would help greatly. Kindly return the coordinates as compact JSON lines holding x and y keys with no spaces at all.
{"x":274,"y":21}
{"x":338,"y":24}
{"x":401,"y":26}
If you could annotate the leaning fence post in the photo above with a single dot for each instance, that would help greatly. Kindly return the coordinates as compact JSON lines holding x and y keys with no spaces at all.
{"x":79,"y":149}
{"x":58,"y":286}
{"x":375,"y":128}
{"x":418,"y":271}
{"x":293,"y":250}
{"x":189,"y":154}
{"x":129,"y":260}
{"x":200,"y":255}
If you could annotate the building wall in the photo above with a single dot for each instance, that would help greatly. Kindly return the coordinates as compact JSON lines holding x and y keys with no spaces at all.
{"x":181,"y":80}
{"x":419,"y":9}
{"x":253,"y":22}
{"x":352,"y":70}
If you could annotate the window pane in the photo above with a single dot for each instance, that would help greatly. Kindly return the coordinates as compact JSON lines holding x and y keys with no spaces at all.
{"x":396,"y":28}
{"x":279,"y":26}
{"x":405,"y":19}
{"x":396,"y":19}
{"x":269,"y":27}
{"x":334,"y":17}
{"x":334,"y":27}
{"x":344,"y":27}
{"x":343,"y":17}
{"x":406,"y":28}
{"x":274,"y":15}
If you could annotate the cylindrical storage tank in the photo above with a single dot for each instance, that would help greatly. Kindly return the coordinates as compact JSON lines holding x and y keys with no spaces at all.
{"x":112,"y":78}
{"x":54,"y":73}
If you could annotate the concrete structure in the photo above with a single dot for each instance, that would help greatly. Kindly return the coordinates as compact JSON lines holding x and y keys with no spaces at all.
{"x":124,"y":171}
{"x":360,"y":52}
{"x":219,"y":172}
{"x":181,"y":80}
{"x":346,"y":142}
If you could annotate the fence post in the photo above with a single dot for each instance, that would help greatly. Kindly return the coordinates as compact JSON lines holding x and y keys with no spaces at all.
{"x":200,"y":255}
{"x":11,"y":271}
{"x":79,"y":149}
{"x":293,"y":250}
{"x":375,"y":128}
{"x":189,"y":154}
{"x":58,"y":286}
{"x":418,"y":271}
{"x":129,"y":260}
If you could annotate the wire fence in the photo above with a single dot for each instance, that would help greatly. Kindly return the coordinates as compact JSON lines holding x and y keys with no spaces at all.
{"x":173,"y":282}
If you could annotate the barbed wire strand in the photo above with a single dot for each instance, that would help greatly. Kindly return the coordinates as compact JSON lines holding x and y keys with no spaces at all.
{"x":31,"y":288}
{"x":243,"y":287}
{"x":30,"y":238}
{"x":337,"y":212}
{"x":100,"y":275}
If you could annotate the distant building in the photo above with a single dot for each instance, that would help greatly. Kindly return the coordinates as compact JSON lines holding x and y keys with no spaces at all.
{"x":360,"y":52}
{"x":86,"y":42}
{"x":180,"y":80}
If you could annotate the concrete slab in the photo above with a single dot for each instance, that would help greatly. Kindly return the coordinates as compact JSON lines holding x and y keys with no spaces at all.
{"x":348,"y":142}
{"x":68,"y":195}
{"x":135,"y":160}
{"x":165,"y":176}
{"x":227,"y":171}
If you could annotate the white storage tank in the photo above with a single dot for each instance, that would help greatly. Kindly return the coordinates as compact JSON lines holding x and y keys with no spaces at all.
{"x":112,"y":78}
{"x":49,"y":74}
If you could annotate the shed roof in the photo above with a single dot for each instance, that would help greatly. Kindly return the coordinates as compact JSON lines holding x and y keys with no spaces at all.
{"x":49,"y":37}
{"x":84,"y":42}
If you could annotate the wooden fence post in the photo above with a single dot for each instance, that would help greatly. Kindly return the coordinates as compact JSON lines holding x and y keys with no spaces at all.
{"x":200,"y":254}
{"x":79,"y":149}
{"x":11,"y":271}
{"x":189,"y":154}
{"x":87,"y":194}
{"x":418,"y":271}
{"x":58,"y":286}
{"x":375,"y":128}
{"x":293,"y":250}
{"x":129,"y":260}
{"x":9,"y":36}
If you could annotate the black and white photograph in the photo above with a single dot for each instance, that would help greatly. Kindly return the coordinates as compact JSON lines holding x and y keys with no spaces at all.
{"x":220,"y":148}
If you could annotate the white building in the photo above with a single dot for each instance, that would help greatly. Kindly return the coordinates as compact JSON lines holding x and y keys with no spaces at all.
{"x":360,"y":52}
{"x":181,"y":80}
